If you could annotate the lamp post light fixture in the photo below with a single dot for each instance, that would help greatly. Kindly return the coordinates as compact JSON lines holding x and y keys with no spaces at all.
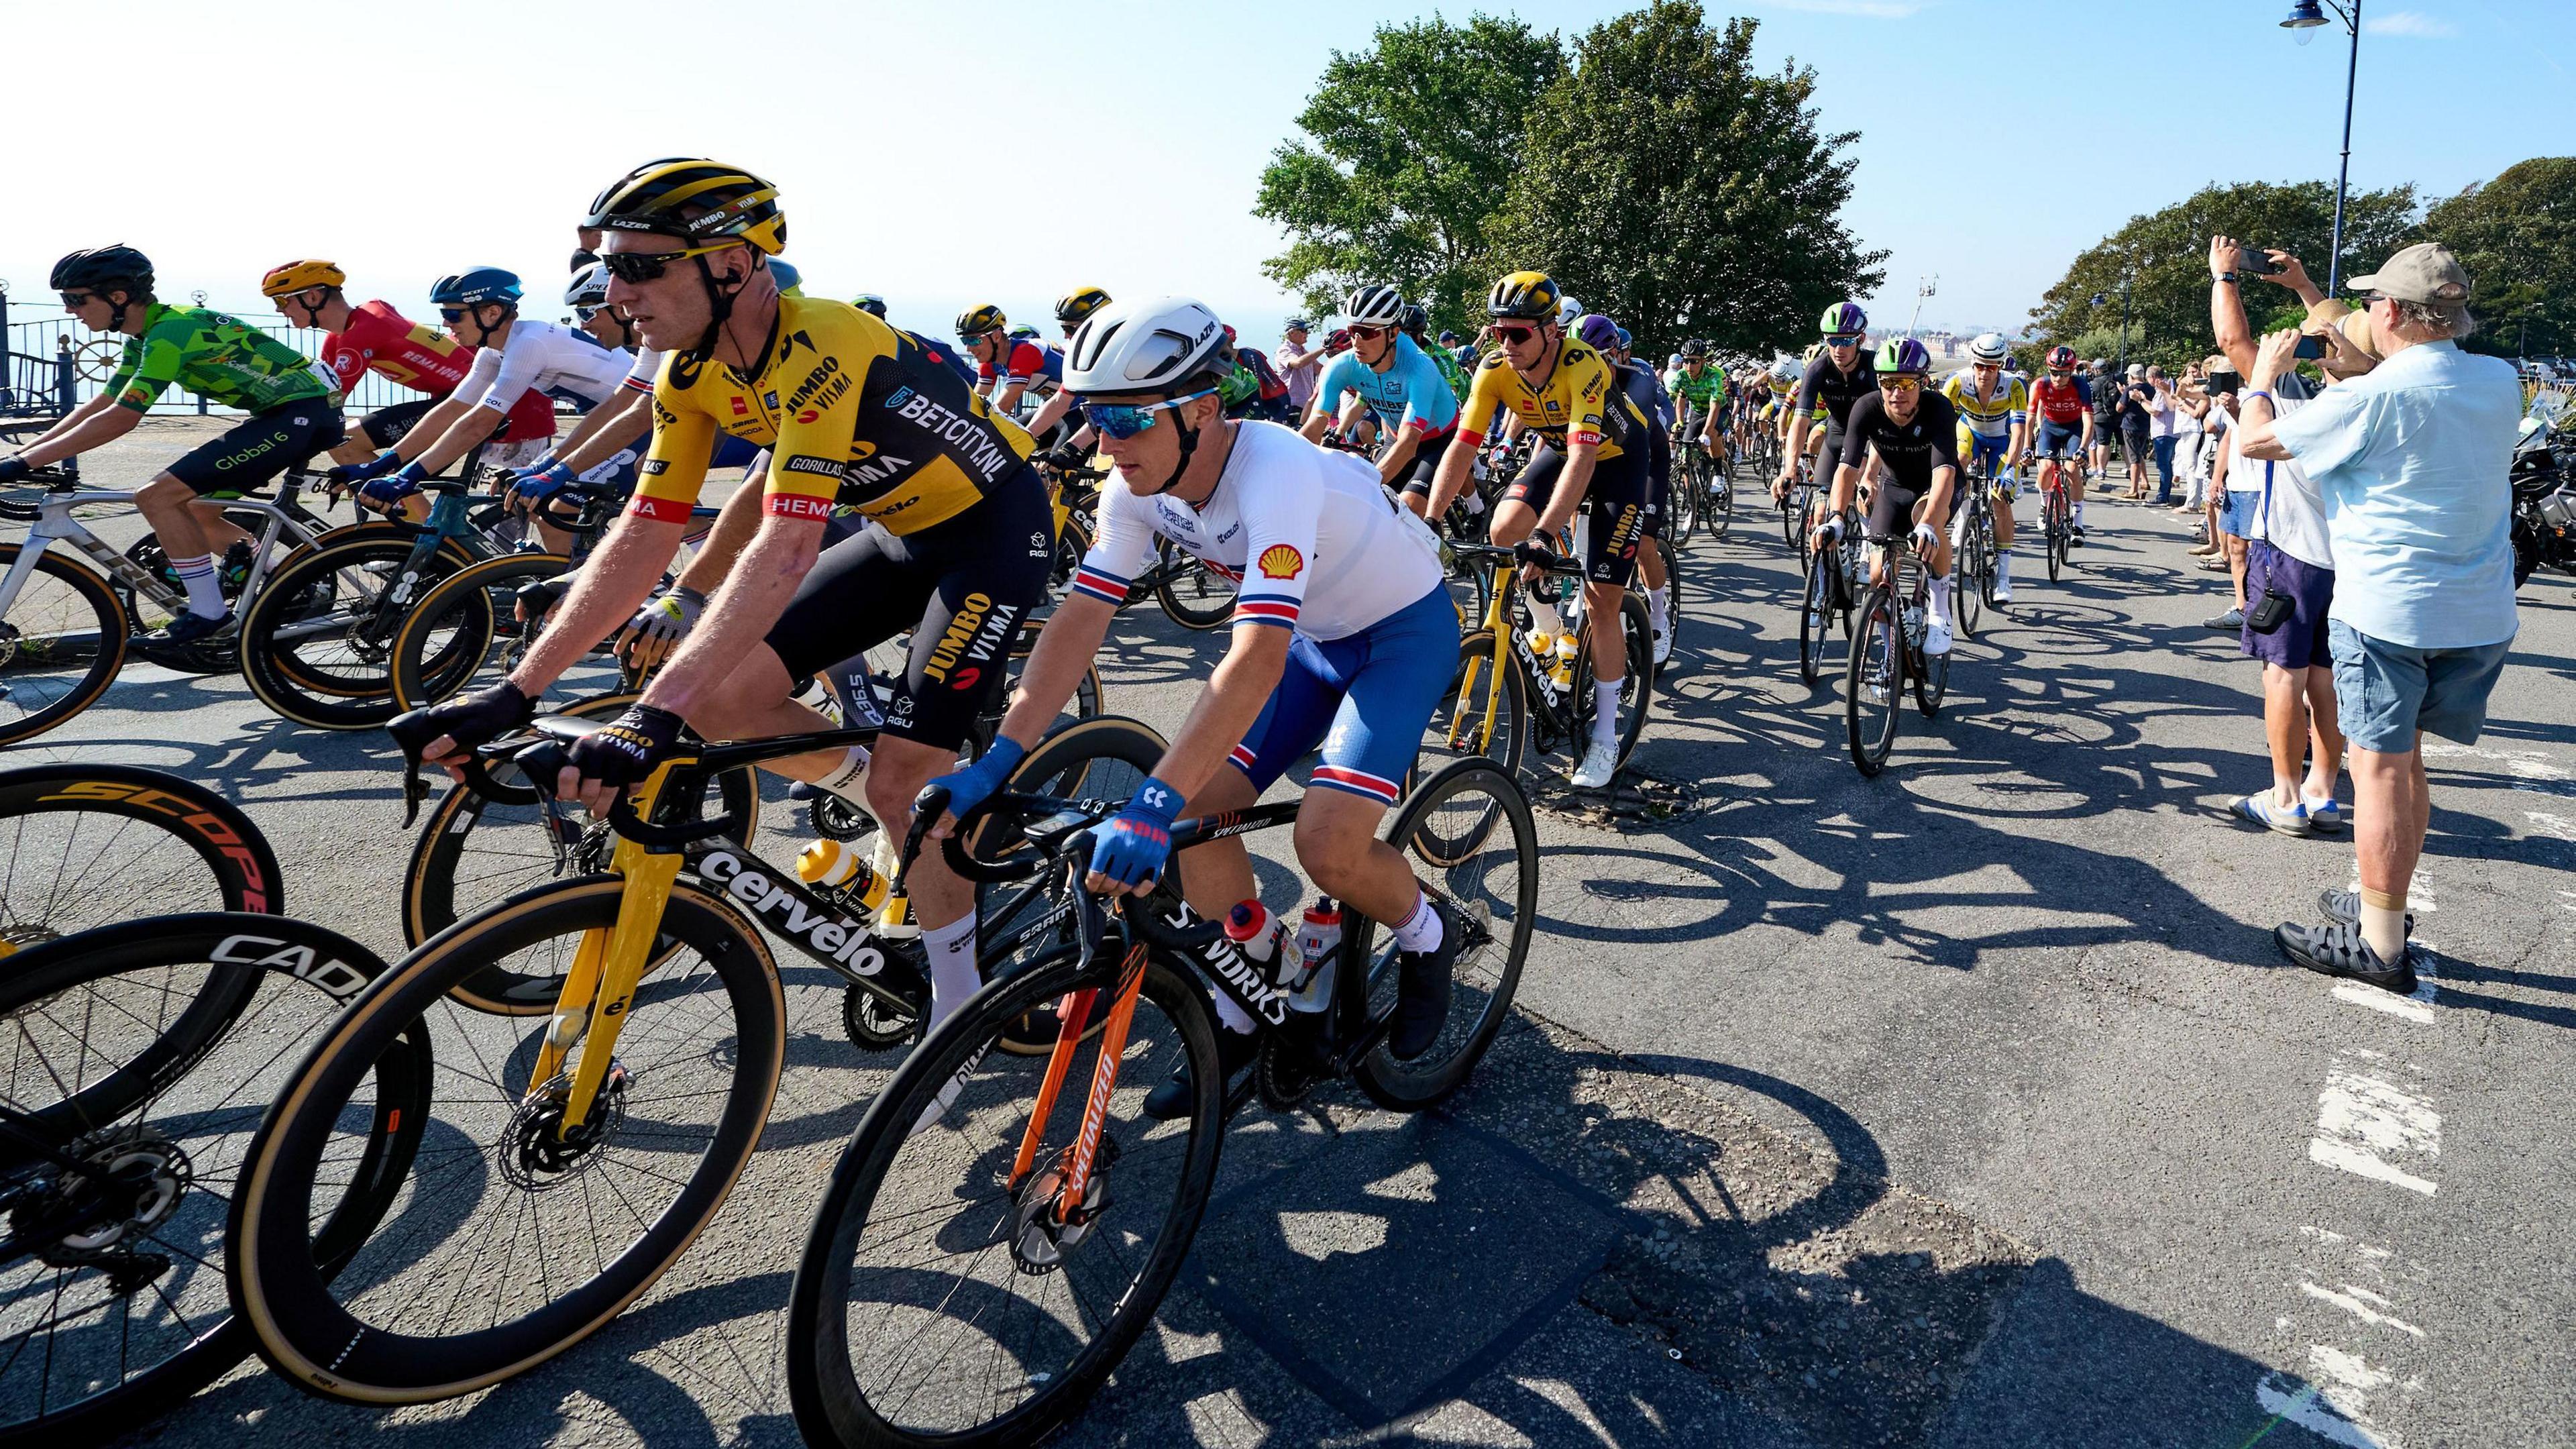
{"x":2305,"y":17}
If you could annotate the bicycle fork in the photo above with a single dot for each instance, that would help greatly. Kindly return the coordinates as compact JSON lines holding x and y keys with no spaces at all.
{"x":1074,"y":1185}
{"x":607,"y":968}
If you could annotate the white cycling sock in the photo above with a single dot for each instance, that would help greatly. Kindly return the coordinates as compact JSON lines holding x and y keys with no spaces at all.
{"x":1605,"y":711}
{"x":1659,"y":611}
{"x":849,"y":779}
{"x":1543,"y":616}
{"x":1420,"y":931}
{"x":2079,"y":513}
{"x":205,"y":590}
{"x":2003,"y":568}
{"x":953,"y":978}
{"x":1941,"y":597}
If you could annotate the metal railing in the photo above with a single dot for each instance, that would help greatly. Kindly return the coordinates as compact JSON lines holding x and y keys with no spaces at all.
{"x":54,"y":365}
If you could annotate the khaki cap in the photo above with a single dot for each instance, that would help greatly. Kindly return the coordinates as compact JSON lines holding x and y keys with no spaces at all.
{"x":2425,"y":272}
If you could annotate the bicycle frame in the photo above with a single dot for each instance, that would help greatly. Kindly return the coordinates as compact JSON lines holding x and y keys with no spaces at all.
{"x":1510,"y":649}
{"x":55,"y":524}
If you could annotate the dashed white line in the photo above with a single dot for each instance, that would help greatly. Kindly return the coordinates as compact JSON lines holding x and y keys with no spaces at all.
{"x":2363,"y":1119}
{"x":2361,"y":1303}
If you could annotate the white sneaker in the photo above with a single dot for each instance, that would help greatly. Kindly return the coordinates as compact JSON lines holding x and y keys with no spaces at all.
{"x":1936,"y":636}
{"x":2003,"y":591}
{"x":1600,"y":762}
{"x":1663,"y":645}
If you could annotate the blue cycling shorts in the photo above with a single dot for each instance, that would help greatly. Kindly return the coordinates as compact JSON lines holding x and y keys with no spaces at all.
{"x":2060,"y":440}
{"x":1367,"y":698}
{"x":1989,"y":449}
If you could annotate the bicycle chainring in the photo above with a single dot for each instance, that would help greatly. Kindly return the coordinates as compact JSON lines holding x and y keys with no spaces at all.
{"x":1283,"y":1072}
{"x":873,"y":1024}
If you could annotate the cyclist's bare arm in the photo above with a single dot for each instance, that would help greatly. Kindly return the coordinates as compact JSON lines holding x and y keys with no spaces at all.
{"x":740,"y":613}
{"x":1317,"y":420}
{"x":1008,"y":399}
{"x":1051,"y":412}
{"x":1456,"y":468}
{"x":1236,"y":690}
{"x":597,"y":437}
{"x":1571,"y":485}
{"x":614,"y":580}
{"x":93,"y":423}
{"x":474,"y":424}
{"x":735,"y":525}
{"x":1398,"y":458}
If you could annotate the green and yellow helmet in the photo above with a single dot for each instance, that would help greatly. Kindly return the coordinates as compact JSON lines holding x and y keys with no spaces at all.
{"x":1525,"y":296}
{"x":1079,"y":303}
{"x":696,"y":200}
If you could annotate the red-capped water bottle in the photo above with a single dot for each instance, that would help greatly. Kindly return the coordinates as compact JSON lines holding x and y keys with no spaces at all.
{"x":1319,"y":937}
{"x":1255,"y":932}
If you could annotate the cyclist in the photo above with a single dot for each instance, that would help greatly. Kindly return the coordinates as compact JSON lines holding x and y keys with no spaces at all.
{"x":870,"y":303}
{"x":1646,"y":391}
{"x":1700,"y":389}
{"x":293,"y":404}
{"x":1591,"y":456}
{"x":1837,"y":376}
{"x":1007,"y":368}
{"x":1417,"y":325}
{"x":1400,"y":384}
{"x":517,"y":356}
{"x":2064,"y":402}
{"x":369,"y":337}
{"x":1906,"y":438}
{"x":1344,"y":637}
{"x":1994,"y":423}
{"x":956,"y":548}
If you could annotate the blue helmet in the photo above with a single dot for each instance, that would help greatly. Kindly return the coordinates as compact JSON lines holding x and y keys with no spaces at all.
{"x":790,"y":281}
{"x":475,"y":286}
{"x":1625,"y":338}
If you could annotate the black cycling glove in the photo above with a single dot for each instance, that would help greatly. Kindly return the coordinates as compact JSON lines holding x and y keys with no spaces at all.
{"x":470,"y":719}
{"x":627,"y":750}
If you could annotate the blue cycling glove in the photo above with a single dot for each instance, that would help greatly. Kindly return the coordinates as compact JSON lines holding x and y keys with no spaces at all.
{"x":404,"y":483}
{"x":375,"y":467}
{"x":972,"y":786}
{"x":541,"y":482}
{"x":1132,"y":848}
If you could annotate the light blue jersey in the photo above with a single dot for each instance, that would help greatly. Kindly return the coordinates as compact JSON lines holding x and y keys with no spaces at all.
{"x":1412,"y":388}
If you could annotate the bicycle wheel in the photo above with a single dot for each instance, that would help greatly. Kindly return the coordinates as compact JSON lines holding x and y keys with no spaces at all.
{"x":937,"y":1302}
{"x":1931,"y":680}
{"x":61,"y":644}
{"x":1873,"y":682}
{"x":1685,"y":498}
{"x":147,"y":1052}
{"x":1095,"y":759}
{"x":1196,"y":596}
{"x":1717,"y":508}
{"x":1973,"y":570}
{"x":474,"y":850}
{"x":86,"y":845}
{"x":1815,"y":617}
{"x":317,"y":640}
{"x":467,"y":627}
{"x":1484,"y":716}
{"x":1636,"y":687}
{"x":2057,"y":529}
{"x":515,"y":1241}
{"x":1494,"y":889}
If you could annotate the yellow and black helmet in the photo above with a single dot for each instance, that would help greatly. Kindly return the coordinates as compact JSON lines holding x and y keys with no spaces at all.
{"x":1526,"y":296}
{"x":976,"y":321}
{"x":696,"y":200}
{"x":1079,"y":303}
{"x":301,"y":276}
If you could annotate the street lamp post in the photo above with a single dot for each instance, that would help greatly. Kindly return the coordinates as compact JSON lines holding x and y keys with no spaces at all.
{"x":2305,"y":16}
{"x":1923,"y":287}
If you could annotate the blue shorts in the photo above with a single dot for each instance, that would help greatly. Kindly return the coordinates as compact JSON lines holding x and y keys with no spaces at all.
{"x":1988,"y":448}
{"x":2385,"y":693}
{"x":1367,"y":698}
{"x":2300,"y":642}
{"x":2060,"y":440}
{"x":2236,"y":515}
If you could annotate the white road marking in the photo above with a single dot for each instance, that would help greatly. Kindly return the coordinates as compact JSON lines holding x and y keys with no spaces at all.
{"x":2364,"y":1118}
{"x":2313,"y":1409}
{"x":2359,"y":1302}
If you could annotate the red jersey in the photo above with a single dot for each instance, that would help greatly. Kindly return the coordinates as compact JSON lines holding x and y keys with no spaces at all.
{"x":424,"y":359}
{"x":2063,"y":403}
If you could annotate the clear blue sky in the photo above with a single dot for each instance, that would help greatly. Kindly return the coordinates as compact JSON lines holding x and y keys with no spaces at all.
{"x":948,"y":154}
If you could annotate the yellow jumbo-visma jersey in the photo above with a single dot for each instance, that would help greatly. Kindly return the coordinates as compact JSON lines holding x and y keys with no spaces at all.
{"x":1579,"y":404}
{"x":1994,"y":416}
{"x":852,"y":411}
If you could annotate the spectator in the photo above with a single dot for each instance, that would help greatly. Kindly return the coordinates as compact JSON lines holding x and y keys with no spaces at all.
{"x":1297,"y":365}
{"x":2137,"y":426}
{"x":2106,"y":414}
{"x":2161,"y":407}
{"x":2286,"y":553}
{"x":2412,"y":459}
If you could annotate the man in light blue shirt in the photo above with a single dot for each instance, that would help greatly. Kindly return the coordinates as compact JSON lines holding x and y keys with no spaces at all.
{"x":1399,"y":382}
{"x":2413,"y":460}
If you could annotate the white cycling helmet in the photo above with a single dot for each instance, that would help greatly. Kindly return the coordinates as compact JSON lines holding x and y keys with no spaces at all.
{"x":1989,"y":347}
{"x":589,"y":286}
{"x":1158,"y":345}
{"x":1374,"y":304}
{"x":1784,"y":370}
{"x":1567,"y":309}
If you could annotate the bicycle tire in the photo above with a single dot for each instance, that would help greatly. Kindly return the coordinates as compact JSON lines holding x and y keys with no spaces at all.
{"x":468,"y":601}
{"x":1931,"y":682}
{"x":290,"y":628}
{"x":1685,"y":498}
{"x":1185,"y":588}
{"x":1101,"y":758}
{"x":99,"y":828}
{"x":322,"y":1344}
{"x":1431,"y":1078}
{"x":831,"y":1404}
{"x":1717,"y":514}
{"x":78,"y":641}
{"x":1637,"y":690}
{"x":1815,"y":618}
{"x":1498,"y":715}
{"x":183,"y":1338}
{"x":1971,"y":572}
{"x":1876,"y":630}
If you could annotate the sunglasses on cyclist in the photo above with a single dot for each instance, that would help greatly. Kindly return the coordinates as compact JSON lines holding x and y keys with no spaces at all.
{"x":1513,"y":336}
{"x":1900,"y":382}
{"x":1125,"y":420}
{"x":72,"y":300}
{"x":1368,"y":334}
{"x":453,"y":315}
{"x":1846,"y":340}
{"x":649,"y":266}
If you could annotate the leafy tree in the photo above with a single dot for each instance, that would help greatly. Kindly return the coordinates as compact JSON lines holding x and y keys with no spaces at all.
{"x":1413,"y":143}
{"x":2167,"y":254}
{"x":2516,"y":235}
{"x":1671,"y":186}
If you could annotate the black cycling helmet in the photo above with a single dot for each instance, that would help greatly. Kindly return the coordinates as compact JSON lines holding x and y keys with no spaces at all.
{"x":1525,"y":297}
{"x":870,"y":303}
{"x":1693,"y":349}
{"x":113,"y":268}
{"x":1415,"y":322}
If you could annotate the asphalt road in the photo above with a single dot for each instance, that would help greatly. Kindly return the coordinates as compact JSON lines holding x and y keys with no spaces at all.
{"x":1964,"y":1106}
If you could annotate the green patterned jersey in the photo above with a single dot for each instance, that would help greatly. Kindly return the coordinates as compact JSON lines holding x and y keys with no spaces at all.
{"x":222,"y":359}
{"x":1706,"y":390}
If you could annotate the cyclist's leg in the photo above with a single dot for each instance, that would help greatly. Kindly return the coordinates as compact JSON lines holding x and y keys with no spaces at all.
{"x":193,"y":533}
{"x":1391,"y":679}
{"x":1615,"y":515}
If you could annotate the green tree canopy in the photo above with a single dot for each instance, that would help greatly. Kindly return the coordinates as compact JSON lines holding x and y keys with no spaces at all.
{"x":1414,"y":142}
{"x":2516,"y":235}
{"x":1669,"y":185}
{"x":2167,"y":254}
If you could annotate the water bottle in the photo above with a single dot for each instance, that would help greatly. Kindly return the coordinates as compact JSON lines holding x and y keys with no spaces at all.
{"x":1565,"y":652}
{"x":1255,"y":932}
{"x":836,"y":868}
{"x":1542,"y":646}
{"x":1319,"y":936}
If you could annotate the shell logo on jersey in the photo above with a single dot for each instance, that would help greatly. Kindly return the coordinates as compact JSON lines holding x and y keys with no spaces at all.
{"x":1279,"y":561}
